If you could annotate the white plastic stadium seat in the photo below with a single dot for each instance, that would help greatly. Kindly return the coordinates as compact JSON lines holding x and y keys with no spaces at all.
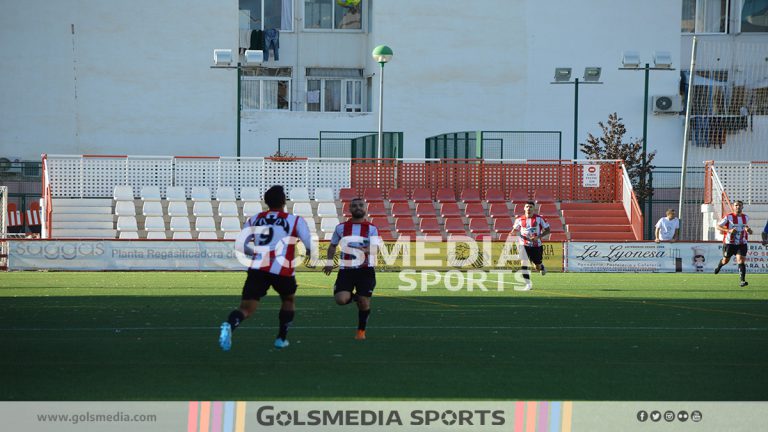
{"x":180,"y":223}
{"x":250,"y":194}
{"x":152,"y":208}
{"x":311,"y":224}
{"x":202,"y":208}
{"x":327,"y":225}
{"x":182,"y":235}
{"x":228,"y":208}
{"x":123,"y":193}
{"x":231,"y":235}
{"x":207,"y":235}
{"x":251,"y":208}
{"x":127,"y":223}
{"x":125,"y":208}
{"x":225,"y":193}
{"x":299,"y":195}
{"x":327,"y":236}
{"x":327,"y":209}
{"x":129,"y":235}
{"x":324,"y":195}
{"x":201,"y":193}
{"x":178,"y":208}
{"x":230,"y":224}
{"x":154,"y":223}
{"x":302,"y":209}
{"x":150,"y":193}
{"x":175,"y":193}
{"x":156,"y":235}
{"x":205,"y":223}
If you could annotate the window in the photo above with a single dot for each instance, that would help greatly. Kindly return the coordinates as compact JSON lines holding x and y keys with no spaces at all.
{"x":334,"y":90}
{"x":754,"y":16}
{"x":705,"y":16}
{"x":266,"y":89}
{"x":266,"y":14}
{"x":333,"y":14}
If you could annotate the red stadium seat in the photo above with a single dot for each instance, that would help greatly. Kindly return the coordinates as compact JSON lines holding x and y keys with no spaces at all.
{"x":498,"y":210}
{"x":555,"y":225}
{"x":382,"y":223}
{"x":421,"y":195}
{"x":479,"y":226}
{"x":345,"y":210}
{"x":470,"y":196}
{"x":450,"y":209}
{"x":495,"y":196}
{"x":398,"y":195}
{"x":474,"y":210}
{"x":429,"y":226}
{"x":347,"y":194}
{"x":548,"y":209}
{"x":401,"y":209}
{"x":454,"y":226}
{"x":556,"y":237}
{"x":425,"y":209}
{"x":405,"y":225}
{"x":376,"y":208}
{"x":544,"y":196}
{"x":519,"y":209}
{"x":445,"y":195}
{"x":518,"y":196}
{"x":373,"y":195}
{"x":503,"y":224}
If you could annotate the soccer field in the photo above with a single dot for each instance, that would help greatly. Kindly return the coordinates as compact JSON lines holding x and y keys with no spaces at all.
{"x":153,"y":336}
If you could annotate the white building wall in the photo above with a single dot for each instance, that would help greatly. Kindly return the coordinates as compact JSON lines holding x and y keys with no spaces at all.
{"x":135,"y":77}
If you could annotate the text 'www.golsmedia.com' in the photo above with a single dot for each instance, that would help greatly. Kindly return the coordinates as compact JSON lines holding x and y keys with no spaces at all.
{"x":87,"y":417}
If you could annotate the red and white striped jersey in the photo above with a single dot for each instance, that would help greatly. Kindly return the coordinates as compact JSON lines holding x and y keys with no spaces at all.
{"x":15,"y":218}
{"x":275,"y":236}
{"x":33,"y":217}
{"x":355,"y":235}
{"x":739,"y":222}
{"x":529,"y":226}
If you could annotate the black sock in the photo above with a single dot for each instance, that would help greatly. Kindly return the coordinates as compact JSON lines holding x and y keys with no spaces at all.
{"x":286,"y":318}
{"x":526,"y":274}
{"x":742,"y":271}
{"x":720,"y":265}
{"x":362,"y":318}
{"x":235,"y":318}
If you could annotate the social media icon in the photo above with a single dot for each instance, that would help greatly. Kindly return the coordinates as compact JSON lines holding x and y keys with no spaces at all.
{"x":696,"y":416}
{"x":655,"y":416}
{"x":642,"y":416}
{"x":682,"y":416}
{"x":669,"y":416}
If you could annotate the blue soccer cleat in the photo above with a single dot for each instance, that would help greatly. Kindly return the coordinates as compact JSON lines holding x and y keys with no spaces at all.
{"x":225,"y":336}
{"x":281,"y":343}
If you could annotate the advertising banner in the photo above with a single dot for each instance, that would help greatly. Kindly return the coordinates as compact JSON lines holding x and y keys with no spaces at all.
{"x":114,"y":255}
{"x":658,"y":257}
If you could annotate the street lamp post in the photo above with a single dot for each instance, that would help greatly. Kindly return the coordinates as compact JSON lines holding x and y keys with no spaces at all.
{"x":630,"y":60}
{"x":381,"y":54}
{"x":563,"y":76}
{"x":222,"y":59}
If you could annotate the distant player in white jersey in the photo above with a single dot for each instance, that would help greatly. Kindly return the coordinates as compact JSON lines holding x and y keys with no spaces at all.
{"x":736,"y":230}
{"x":271,"y":242}
{"x":357,"y":278}
{"x":532,"y":228}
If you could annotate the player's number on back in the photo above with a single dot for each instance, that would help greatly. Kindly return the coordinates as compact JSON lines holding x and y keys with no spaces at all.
{"x":265,"y":237}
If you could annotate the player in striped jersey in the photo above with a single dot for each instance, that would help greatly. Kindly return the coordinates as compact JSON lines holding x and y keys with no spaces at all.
{"x":736,"y":230}
{"x":357,"y":278}
{"x":273,"y":234}
{"x":532,"y":228}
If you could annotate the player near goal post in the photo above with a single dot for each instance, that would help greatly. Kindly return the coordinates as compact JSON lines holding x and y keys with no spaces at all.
{"x":274,"y":234}
{"x":736,"y":230}
{"x":532,"y":228}
{"x":357,"y":278}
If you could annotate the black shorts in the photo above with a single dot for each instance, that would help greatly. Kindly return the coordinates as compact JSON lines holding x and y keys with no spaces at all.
{"x":361,"y":280}
{"x":258,"y":282}
{"x":730,"y":250}
{"x":535,"y":253}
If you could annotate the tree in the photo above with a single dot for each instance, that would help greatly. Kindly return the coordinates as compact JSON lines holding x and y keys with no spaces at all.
{"x":612,"y":146}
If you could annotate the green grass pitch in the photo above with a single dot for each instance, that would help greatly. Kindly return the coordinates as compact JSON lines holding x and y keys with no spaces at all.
{"x":153,"y":336}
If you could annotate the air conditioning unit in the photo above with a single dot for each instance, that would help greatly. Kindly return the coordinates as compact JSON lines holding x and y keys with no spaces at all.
{"x":10,"y":164}
{"x":671,"y":104}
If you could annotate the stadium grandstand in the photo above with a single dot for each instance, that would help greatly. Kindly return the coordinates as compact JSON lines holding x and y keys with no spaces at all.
{"x":181,"y":198}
